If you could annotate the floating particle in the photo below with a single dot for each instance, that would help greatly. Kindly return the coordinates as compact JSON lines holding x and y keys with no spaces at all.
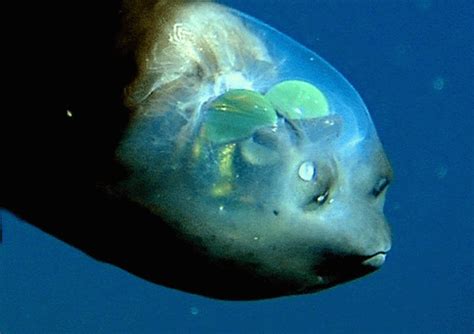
{"x":438,"y":83}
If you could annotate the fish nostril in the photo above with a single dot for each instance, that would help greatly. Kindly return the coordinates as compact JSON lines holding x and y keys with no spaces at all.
{"x":321,"y":198}
{"x":381,"y":185}
{"x":317,"y":200}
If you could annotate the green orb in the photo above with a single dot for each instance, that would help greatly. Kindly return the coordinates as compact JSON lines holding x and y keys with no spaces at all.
{"x":237,"y":114}
{"x":296,"y":99}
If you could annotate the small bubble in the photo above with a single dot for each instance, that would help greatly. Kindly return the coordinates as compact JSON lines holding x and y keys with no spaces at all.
{"x":423,"y":4}
{"x":194,"y":310}
{"x":395,"y":206}
{"x":69,"y":113}
{"x":441,"y":172}
{"x":402,"y":55}
{"x":438,"y":83}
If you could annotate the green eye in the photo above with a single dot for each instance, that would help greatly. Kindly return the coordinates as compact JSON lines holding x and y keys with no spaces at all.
{"x":236,"y":115}
{"x":296,"y":99}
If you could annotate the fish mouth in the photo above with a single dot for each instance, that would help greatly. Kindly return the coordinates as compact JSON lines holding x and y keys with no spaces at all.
{"x":337,"y":269}
{"x":376,"y":260}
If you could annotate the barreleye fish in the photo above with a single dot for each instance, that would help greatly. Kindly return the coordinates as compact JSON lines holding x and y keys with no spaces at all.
{"x":203,"y":150}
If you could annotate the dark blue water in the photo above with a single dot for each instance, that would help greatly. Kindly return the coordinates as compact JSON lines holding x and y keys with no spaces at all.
{"x":413,"y":63}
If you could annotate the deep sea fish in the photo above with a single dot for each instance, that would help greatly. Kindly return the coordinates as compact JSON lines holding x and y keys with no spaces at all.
{"x":203,"y":150}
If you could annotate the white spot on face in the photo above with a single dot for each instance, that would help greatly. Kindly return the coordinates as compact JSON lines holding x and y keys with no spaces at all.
{"x":306,"y":171}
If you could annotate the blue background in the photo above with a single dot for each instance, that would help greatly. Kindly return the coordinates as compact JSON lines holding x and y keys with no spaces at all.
{"x":412,"y":62}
